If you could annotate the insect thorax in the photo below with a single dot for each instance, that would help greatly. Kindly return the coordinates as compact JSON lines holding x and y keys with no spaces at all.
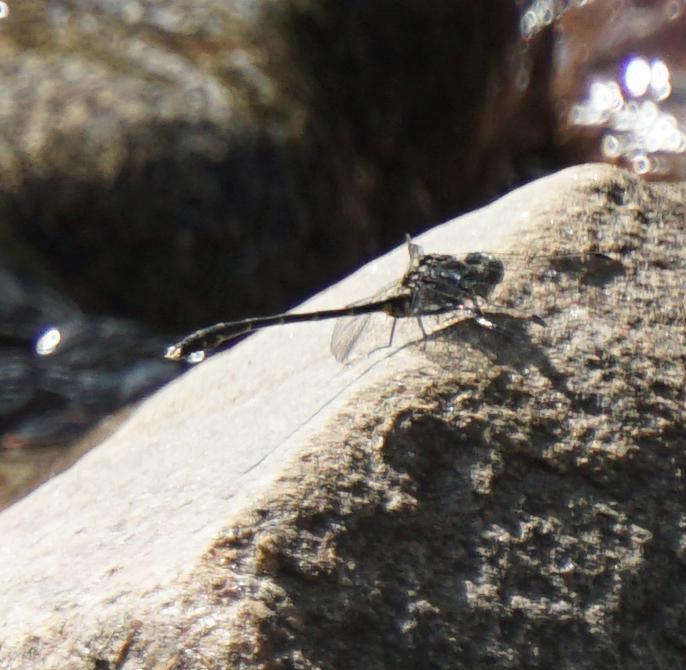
{"x":440,"y":282}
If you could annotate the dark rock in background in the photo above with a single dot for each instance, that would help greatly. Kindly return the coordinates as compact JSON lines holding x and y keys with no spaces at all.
{"x":61,"y":372}
{"x":180,"y":163}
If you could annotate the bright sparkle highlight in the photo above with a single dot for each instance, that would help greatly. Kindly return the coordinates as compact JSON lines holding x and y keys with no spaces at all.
{"x":637,"y":76}
{"x":48,"y":342}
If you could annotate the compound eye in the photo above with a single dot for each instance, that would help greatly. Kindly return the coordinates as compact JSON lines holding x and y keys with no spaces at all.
{"x":476,"y":258}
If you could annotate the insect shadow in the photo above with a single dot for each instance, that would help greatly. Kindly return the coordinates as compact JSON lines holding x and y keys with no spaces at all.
{"x":503,"y":339}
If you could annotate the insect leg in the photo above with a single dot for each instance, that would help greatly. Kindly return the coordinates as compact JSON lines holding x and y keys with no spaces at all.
{"x":390,"y":339}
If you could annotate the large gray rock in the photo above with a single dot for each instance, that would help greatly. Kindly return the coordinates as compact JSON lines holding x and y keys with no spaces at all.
{"x":499,"y":498}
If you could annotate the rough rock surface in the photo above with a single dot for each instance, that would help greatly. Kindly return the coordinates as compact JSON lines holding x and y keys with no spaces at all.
{"x":490,"y":498}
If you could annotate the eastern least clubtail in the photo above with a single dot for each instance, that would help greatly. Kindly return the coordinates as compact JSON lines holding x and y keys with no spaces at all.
{"x":433,"y":284}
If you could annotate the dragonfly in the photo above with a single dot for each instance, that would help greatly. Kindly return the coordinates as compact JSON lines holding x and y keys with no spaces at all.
{"x":432,"y":285}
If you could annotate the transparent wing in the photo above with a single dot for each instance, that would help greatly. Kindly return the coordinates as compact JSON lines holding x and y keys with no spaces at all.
{"x":572,"y":251}
{"x":346,"y":334}
{"x":349,"y":331}
{"x":526,"y":290}
{"x":568,"y":263}
{"x":589,"y":268}
{"x":413,"y":250}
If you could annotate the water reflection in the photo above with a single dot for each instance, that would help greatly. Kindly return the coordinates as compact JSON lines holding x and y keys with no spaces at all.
{"x":617,"y":80}
{"x":538,"y":15}
{"x":627,"y":108}
{"x":48,"y":342}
